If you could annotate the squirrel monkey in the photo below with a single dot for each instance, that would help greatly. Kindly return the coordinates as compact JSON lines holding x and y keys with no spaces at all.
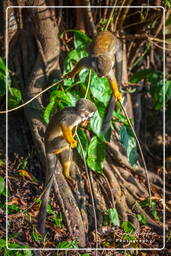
{"x":58,"y":143}
{"x":105,"y":58}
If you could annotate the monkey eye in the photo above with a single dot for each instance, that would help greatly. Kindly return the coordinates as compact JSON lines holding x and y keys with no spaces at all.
{"x":86,"y":115}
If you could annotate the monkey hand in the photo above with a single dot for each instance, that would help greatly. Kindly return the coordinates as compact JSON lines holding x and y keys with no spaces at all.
{"x":118,"y":95}
{"x":73,"y":144}
{"x":69,"y":75}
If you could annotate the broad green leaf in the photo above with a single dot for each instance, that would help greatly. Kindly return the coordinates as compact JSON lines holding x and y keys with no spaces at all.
{"x":15,"y":93}
{"x":148,"y":74}
{"x":48,"y":111}
{"x":113,"y":216}
{"x":14,"y":97}
{"x":71,"y":59}
{"x":128,"y":227}
{"x":85,"y":254}
{"x":2,"y":184}
{"x":57,"y":95}
{"x":96,"y":154}
{"x":81,"y":40}
{"x":84,"y":142}
{"x":100,"y":89}
{"x":96,"y":123}
{"x":74,"y":97}
{"x":119,"y":117}
{"x":128,"y":141}
{"x":160,"y":93}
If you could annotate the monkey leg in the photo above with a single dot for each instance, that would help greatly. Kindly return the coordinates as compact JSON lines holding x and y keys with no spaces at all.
{"x":65,"y":158}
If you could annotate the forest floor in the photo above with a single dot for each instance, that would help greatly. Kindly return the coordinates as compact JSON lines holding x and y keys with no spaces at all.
{"x":25,"y":185}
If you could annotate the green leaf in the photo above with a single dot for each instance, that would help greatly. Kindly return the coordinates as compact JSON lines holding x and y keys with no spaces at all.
{"x":113,"y":216}
{"x":36,"y":235}
{"x":100,"y":89}
{"x":154,"y":211}
{"x":27,"y":252}
{"x":71,"y":60}
{"x":96,"y":154}
{"x":58,"y":219}
{"x":148,"y":74}
{"x":74,"y":97}
{"x":145,"y":203}
{"x":58,"y":95}
{"x":48,"y":111}
{"x":66,"y":244}
{"x":167,"y":3}
{"x":96,"y":123}
{"x":13,"y":208}
{"x":81,"y":40}
{"x":2,"y":184}
{"x":2,"y":243}
{"x":85,"y":254}
{"x":158,"y":90}
{"x":119,"y":117}
{"x":141,"y":218}
{"x":49,"y":209}
{"x":128,"y":141}
{"x":14,"y":97}
{"x":2,"y":66}
{"x":128,"y":227}
{"x":128,"y":237}
{"x":84,"y":142}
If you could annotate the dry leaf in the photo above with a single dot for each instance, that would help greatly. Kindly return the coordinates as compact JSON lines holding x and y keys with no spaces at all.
{"x":25,"y":174}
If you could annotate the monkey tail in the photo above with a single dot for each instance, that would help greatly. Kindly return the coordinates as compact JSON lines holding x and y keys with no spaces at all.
{"x":108,"y":116}
{"x":51,"y":159}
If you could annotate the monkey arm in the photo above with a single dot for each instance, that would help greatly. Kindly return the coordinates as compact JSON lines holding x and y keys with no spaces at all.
{"x":83,"y":63}
{"x":67,"y":133}
{"x":115,"y":89}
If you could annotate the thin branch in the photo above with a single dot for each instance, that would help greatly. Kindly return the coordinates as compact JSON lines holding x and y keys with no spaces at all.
{"x":36,"y":96}
{"x":88,"y":83}
{"x":140,"y":149}
{"x":91,"y":189}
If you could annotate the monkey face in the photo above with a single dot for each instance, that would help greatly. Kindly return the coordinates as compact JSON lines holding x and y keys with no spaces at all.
{"x":85,"y":108}
{"x":102,"y":65}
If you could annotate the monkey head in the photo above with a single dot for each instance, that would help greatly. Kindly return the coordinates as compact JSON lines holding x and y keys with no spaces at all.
{"x":85,"y":108}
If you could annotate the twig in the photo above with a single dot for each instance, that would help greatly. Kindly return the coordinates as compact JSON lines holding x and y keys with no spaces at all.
{"x":110,"y":17}
{"x":91,"y":190}
{"x":88,"y":83}
{"x":36,"y":96}
{"x":140,"y":149}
